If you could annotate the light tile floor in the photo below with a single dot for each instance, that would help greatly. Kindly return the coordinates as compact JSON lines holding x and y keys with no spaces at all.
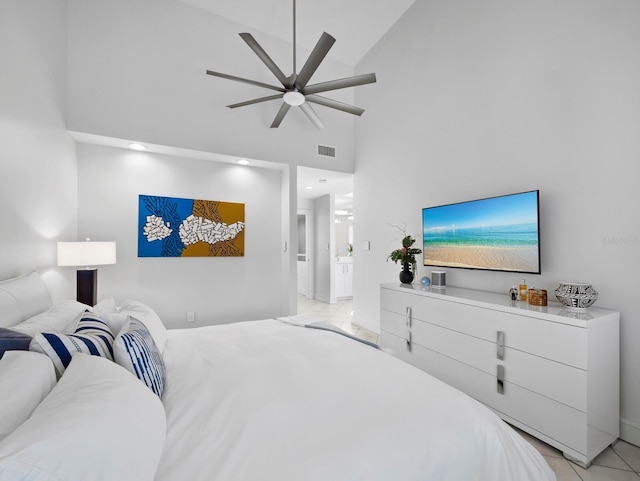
{"x":339,"y":314}
{"x":620,"y":462}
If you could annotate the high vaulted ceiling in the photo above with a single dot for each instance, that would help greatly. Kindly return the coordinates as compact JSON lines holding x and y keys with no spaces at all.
{"x":356,"y":24}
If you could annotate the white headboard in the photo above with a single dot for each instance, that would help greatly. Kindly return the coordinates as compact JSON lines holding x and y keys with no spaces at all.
{"x":22,"y":298}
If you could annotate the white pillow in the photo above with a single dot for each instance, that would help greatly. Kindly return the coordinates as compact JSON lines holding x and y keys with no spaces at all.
{"x":110,"y":313}
{"x":26,"y":379}
{"x":23,"y":297}
{"x":149,"y":318}
{"x":60,"y":318}
{"x":106,"y":306}
{"x":10,"y":309}
{"x":98,"y":423}
{"x":115,"y":320}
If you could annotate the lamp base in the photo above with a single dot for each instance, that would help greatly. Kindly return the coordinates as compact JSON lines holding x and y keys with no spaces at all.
{"x":87,"y":286}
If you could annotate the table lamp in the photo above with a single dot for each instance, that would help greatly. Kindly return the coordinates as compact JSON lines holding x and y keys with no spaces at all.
{"x":88,"y":254}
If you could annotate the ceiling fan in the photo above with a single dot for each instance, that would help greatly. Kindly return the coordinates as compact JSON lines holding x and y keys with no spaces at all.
{"x":295,"y":89}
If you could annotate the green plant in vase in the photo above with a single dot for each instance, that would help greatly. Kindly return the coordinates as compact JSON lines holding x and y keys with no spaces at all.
{"x":407,"y":256}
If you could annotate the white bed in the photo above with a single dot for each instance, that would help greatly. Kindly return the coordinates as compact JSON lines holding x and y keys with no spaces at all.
{"x":263,"y":400}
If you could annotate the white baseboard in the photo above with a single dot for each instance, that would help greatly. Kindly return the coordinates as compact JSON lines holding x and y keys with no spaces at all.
{"x":630,"y":432}
{"x":370,"y":326}
{"x":324,"y":298}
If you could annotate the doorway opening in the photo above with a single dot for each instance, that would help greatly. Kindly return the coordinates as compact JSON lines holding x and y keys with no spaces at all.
{"x":325,"y":234}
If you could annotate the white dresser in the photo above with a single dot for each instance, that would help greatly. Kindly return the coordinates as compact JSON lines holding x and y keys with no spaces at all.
{"x":550,"y":371}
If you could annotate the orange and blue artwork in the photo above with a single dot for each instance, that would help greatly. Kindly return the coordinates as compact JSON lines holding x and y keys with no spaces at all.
{"x":176,"y":227}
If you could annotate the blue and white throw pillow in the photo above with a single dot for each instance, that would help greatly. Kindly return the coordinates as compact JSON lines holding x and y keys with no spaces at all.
{"x":135,"y":350}
{"x":92,"y":336}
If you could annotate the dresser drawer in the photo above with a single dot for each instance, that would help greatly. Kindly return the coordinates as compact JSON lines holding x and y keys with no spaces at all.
{"x":555,"y":341}
{"x":564,"y":426}
{"x":557,"y":381}
{"x":393,"y":322}
{"x":560,"y":382}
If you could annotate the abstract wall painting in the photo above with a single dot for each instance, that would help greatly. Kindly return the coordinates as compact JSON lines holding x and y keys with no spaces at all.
{"x":175,"y":227}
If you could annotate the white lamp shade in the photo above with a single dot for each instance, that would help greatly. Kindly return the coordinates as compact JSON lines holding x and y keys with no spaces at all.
{"x":86,"y":253}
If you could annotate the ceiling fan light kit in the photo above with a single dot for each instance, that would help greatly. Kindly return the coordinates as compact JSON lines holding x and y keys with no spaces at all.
{"x":295,"y":90}
{"x":293,"y":97}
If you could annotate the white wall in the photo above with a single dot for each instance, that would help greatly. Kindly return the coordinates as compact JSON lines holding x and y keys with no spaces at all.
{"x":218,"y":290}
{"x":137,"y":71}
{"x":288,"y":241}
{"x":38,"y":190}
{"x":476,"y":99}
{"x":324,"y":248}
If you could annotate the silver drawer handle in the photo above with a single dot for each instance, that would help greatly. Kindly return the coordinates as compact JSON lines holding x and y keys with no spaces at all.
{"x":408,"y":340}
{"x":500,"y":345}
{"x":500,"y":379}
{"x":408,"y":316}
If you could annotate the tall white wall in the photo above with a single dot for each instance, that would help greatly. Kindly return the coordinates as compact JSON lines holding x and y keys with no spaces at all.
{"x":288,"y":241}
{"x":217,"y":289}
{"x":324,"y":248}
{"x":38,"y":191}
{"x":137,"y":71}
{"x":476,"y":99}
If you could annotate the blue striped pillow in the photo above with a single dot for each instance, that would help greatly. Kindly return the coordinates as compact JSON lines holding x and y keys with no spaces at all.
{"x":92,"y":336}
{"x":136,"y":351}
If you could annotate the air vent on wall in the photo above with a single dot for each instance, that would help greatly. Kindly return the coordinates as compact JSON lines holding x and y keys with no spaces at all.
{"x":326,"y":151}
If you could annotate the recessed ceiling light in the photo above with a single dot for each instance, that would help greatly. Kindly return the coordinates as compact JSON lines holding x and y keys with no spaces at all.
{"x":308,"y":187}
{"x":136,"y":146}
{"x":244,"y":162}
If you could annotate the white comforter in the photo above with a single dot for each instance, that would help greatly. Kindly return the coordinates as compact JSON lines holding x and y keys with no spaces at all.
{"x":268,"y":401}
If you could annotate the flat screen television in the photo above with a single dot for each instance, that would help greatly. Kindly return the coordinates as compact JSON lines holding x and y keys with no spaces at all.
{"x":498,"y":234}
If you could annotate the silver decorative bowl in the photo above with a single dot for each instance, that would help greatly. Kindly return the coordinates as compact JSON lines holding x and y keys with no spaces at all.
{"x":576,"y":295}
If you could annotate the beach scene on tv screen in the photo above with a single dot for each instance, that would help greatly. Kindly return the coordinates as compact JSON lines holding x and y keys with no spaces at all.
{"x":500,"y":233}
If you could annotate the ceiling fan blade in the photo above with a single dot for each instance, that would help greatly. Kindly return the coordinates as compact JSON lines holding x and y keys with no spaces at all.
{"x":247,"y":81}
{"x":255,"y":101}
{"x":280,"y":115}
{"x":341,"y":83}
{"x":264,"y":56}
{"x":309,"y":112}
{"x":315,"y":59}
{"x":334,"y":104}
